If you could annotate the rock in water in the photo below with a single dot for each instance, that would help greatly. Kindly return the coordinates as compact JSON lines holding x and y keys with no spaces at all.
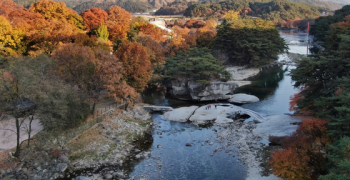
{"x":82,"y":178}
{"x":188,"y":144}
{"x":180,"y":114}
{"x":185,"y":89}
{"x":243,"y":99}
{"x":108,"y":176}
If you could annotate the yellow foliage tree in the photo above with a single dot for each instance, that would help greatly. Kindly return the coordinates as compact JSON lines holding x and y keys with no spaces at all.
{"x":10,"y":39}
{"x":232,"y":15}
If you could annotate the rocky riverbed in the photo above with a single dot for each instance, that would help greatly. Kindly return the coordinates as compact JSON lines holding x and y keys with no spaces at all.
{"x":250,"y":135}
{"x":97,"y":153}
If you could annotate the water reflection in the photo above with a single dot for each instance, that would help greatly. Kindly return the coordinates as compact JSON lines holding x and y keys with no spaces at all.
{"x":265,"y":83}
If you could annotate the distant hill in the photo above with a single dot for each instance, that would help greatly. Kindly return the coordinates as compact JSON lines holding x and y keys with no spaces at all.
{"x":275,"y":10}
{"x":130,"y":6}
{"x":344,"y":2}
{"x":326,"y":4}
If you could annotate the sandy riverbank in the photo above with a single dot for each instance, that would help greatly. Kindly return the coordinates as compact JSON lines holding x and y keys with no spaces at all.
{"x":8,"y":133}
{"x":241,"y":73}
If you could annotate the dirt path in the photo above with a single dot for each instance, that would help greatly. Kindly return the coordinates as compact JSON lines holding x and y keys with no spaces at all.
{"x":8,"y":132}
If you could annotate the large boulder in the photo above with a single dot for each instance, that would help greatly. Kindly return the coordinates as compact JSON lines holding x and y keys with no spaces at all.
{"x":277,"y":126}
{"x":180,"y":114}
{"x":184,"y":89}
{"x":243,"y":99}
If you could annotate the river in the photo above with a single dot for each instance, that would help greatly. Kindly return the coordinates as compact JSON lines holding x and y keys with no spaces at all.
{"x":172,"y":159}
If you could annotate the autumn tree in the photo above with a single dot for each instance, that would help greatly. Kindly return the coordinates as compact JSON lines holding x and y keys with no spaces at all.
{"x":92,"y":71}
{"x":193,"y":23}
{"x":303,"y":154}
{"x":10,"y":39}
{"x":108,"y":74}
{"x":146,"y":28}
{"x":118,"y":23}
{"x":155,"y":50}
{"x":136,"y":64}
{"x":181,"y":40}
{"x":55,"y":10}
{"x":27,"y":87}
{"x":15,"y":93}
{"x":7,"y":6}
{"x":205,"y":36}
{"x":102,"y":32}
{"x":232,"y":15}
{"x":74,"y":63}
{"x":95,"y":43}
{"x":93,"y":18}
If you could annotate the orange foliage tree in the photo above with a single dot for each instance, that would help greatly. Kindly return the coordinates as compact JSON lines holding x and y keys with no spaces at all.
{"x":74,"y":63}
{"x":52,"y":36}
{"x":93,"y":18}
{"x":7,"y":6}
{"x":92,"y":71}
{"x":194,"y":23}
{"x":155,"y":32}
{"x":136,"y":64}
{"x":303,"y":154}
{"x":154,"y":49}
{"x":93,"y":42}
{"x":55,"y":10}
{"x":118,"y":23}
{"x":181,"y":40}
{"x":205,"y":36}
{"x":108,"y":74}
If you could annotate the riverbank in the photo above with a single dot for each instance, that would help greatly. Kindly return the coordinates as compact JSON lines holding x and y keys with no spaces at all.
{"x":101,"y":144}
{"x":241,"y":73}
{"x":103,"y":149}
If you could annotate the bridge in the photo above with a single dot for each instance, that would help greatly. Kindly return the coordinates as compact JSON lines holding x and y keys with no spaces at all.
{"x":256,"y":116}
{"x":158,"y":108}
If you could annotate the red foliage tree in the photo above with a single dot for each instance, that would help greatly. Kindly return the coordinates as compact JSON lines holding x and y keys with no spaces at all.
{"x":7,"y":6}
{"x":154,"y":49}
{"x":303,"y":156}
{"x":194,"y":23}
{"x":93,"y":18}
{"x":136,"y":64}
{"x":157,"y":34}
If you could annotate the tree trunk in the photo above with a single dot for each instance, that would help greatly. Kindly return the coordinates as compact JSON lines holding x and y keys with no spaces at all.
{"x":30,"y":129}
{"x":18,"y":147}
{"x":93,"y":108}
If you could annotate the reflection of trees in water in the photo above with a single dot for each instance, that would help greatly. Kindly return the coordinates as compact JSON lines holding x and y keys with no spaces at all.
{"x":152,"y":96}
{"x":265,"y":83}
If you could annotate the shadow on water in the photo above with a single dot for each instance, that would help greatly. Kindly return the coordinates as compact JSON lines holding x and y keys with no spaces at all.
{"x":265,"y":83}
{"x":160,"y":98}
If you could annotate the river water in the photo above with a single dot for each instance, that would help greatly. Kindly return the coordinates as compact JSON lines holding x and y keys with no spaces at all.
{"x":172,"y":159}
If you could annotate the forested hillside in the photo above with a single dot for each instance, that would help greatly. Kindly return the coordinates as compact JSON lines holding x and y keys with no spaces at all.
{"x":323,"y":24}
{"x":332,"y":5}
{"x":271,"y":10}
{"x":344,"y":2}
{"x":320,"y":147}
{"x":130,"y":6}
